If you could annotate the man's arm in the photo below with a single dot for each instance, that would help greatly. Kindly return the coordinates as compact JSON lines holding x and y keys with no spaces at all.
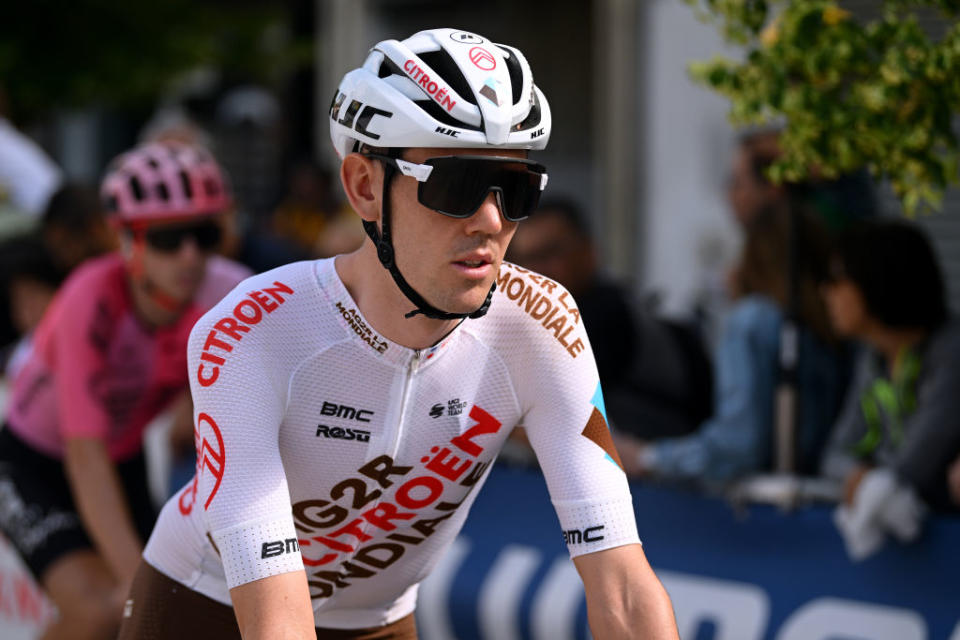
{"x":102,"y":505}
{"x":277,"y":607}
{"x":625,"y":600}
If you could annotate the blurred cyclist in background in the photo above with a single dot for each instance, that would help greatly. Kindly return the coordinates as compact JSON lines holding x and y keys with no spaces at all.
{"x":108,"y":357}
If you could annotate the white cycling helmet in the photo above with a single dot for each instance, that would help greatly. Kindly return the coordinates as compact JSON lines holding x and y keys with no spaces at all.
{"x":440,"y":88}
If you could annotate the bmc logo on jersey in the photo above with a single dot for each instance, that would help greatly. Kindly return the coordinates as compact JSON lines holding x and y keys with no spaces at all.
{"x":575,"y":536}
{"x":278,"y":548}
{"x":335,"y":410}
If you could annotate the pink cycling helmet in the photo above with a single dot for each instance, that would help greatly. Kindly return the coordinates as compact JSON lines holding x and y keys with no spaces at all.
{"x":163,"y":181}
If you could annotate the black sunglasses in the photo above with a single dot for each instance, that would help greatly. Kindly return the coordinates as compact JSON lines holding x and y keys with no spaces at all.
{"x":169,"y":238}
{"x":456,"y":186}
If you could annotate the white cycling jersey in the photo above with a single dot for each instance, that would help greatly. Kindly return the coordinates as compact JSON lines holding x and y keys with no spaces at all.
{"x":379,"y":449}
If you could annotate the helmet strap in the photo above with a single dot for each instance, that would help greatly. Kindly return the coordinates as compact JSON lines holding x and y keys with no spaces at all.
{"x":385,"y":253}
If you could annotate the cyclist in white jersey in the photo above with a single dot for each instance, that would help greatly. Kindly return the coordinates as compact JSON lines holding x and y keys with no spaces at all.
{"x":347,"y":410}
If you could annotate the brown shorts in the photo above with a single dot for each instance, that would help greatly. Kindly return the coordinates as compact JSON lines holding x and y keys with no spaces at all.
{"x":163,"y":609}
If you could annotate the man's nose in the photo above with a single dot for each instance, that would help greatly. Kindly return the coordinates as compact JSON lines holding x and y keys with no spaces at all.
{"x":488,"y":217}
{"x":189,"y":248}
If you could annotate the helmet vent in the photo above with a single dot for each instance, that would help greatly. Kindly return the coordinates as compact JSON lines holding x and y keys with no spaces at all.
{"x":441,"y":62}
{"x":185,"y":183}
{"x":162,"y":192}
{"x":136,"y":188}
{"x":516,"y":74}
{"x":437,"y":112}
{"x":533,"y":118}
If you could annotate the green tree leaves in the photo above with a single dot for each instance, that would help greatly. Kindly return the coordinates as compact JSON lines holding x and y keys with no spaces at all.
{"x":879,"y":93}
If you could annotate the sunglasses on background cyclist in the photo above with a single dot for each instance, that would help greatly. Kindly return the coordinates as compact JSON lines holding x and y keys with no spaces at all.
{"x":456,"y":186}
{"x":170,"y":238}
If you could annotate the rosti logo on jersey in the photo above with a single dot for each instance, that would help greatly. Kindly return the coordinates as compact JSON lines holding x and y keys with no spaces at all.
{"x":357,"y":508}
{"x":248,"y":312}
{"x":533,"y":293}
{"x":361,"y":329}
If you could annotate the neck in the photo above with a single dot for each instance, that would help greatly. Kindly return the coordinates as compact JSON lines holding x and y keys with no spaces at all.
{"x":892,"y":343}
{"x":383,"y":304}
{"x":149,"y":310}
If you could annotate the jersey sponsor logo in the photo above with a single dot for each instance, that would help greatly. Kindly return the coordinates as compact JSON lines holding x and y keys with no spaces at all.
{"x":278,"y":548}
{"x":534,"y":294}
{"x":453,"y":408}
{"x":211,"y":459}
{"x":344,"y":411}
{"x":374,"y":527}
{"x":360,"y":328}
{"x":439,"y":92}
{"x":357,"y":116}
{"x":247,"y":313}
{"x":342,"y":433}
{"x":597,"y":431}
{"x":590,"y":534}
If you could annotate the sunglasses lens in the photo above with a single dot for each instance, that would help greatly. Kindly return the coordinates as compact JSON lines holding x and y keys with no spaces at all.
{"x":458,"y":186}
{"x":170,"y":238}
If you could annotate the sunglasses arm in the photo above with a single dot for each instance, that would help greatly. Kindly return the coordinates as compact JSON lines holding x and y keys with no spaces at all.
{"x":419,"y":171}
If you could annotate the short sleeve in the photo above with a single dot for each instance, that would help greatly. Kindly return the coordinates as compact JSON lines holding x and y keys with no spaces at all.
{"x":565,"y":418}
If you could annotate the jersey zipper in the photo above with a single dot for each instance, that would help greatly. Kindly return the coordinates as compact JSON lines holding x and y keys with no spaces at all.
{"x":411,"y":370}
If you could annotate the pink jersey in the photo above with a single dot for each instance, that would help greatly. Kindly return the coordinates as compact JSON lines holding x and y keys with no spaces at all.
{"x":96,"y":370}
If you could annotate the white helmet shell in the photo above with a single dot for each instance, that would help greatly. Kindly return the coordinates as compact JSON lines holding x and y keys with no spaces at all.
{"x":440,"y":88}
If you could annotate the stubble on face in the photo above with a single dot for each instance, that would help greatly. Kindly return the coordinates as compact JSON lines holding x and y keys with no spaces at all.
{"x":428,"y":244}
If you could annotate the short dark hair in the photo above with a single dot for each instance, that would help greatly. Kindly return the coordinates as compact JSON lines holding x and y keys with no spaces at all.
{"x":569,"y":211}
{"x":893,"y":264}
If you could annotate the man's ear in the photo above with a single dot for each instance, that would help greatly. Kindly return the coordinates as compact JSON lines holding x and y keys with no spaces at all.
{"x":362,"y":179}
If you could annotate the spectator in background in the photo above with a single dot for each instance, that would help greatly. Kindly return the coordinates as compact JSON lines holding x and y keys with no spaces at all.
{"x":28,"y":177}
{"x":837,"y":202}
{"x":749,"y":190}
{"x":902,"y":413}
{"x":655,"y":374}
{"x":737,"y":439}
{"x":74,"y":227}
{"x":29,"y":282}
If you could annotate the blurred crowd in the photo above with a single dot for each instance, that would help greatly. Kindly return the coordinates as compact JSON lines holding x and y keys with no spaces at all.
{"x":835,"y":354}
{"x":836,"y":359}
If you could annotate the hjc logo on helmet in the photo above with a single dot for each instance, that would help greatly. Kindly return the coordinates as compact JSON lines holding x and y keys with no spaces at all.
{"x":357,"y":116}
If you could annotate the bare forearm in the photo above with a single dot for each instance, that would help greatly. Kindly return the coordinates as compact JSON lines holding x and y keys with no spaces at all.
{"x":625,"y":600}
{"x":275,"y":608}
{"x":646,"y":614}
{"x":102,"y":505}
